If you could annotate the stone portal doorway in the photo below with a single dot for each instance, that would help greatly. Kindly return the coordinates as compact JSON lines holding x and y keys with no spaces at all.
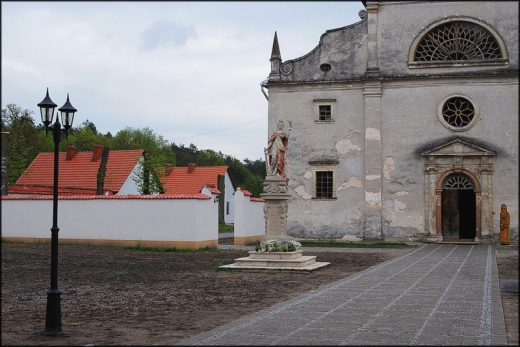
{"x":459,"y":208}
{"x":467,"y":168}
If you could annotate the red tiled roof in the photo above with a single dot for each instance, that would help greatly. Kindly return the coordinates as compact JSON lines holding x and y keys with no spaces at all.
{"x":246,"y":192}
{"x":181,"y":181}
{"x":36,"y":189}
{"x":198,"y":196}
{"x":81,"y":171}
{"x":214,"y":190}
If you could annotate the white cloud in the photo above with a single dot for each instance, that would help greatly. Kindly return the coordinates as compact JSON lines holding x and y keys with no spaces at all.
{"x":165,"y":33}
{"x":187,"y":70}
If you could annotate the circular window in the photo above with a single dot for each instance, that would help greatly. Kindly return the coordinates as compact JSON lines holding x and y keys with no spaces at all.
{"x":458,"y":113}
{"x":325,"y":67}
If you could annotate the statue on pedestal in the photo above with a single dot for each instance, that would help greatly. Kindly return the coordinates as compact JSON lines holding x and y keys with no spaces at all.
{"x":276,"y":192}
{"x":275,"y":151}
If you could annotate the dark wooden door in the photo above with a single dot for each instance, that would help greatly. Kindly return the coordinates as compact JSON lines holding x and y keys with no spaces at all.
{"x":459,"y":216}
{"x":467,"y":214}
{"x":450,"y":213}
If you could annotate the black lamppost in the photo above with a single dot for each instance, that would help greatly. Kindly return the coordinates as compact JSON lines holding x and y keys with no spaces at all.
{"x":53,"y":312}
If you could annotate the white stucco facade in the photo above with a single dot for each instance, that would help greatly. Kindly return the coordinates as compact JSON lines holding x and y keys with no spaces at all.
{"x":229,"y":200}
{"x":158,"y":220}
{"x":386,"y":145}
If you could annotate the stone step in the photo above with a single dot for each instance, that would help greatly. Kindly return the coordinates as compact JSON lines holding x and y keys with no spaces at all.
{"x":275,"y":255}
{"x":301,"y":261}
{"x":285,"y":261}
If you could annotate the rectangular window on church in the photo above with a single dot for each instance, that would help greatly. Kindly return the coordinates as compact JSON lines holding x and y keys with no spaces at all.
{"x":325,"y":112}
{"x":324,"y":184}
{"x":324,"y":109}
{"x":324,"y":179}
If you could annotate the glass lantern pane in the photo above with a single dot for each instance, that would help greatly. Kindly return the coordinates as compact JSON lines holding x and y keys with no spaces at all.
{"x":67,"y":118}
{"x":47,"y":114}
{"x":64,"y":120}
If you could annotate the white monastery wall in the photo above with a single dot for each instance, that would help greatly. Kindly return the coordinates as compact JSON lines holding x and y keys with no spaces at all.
{"x":120,"y":220}
{"x":249,"y":219}
{"x":229,"y":217}
{"x":129,"y":187}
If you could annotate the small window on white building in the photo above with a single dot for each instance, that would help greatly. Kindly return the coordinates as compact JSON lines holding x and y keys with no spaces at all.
{"x":324,"y":110}
{"x":227,"y":207}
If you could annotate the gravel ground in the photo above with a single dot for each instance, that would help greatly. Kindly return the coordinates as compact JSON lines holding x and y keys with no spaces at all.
{"x":118,"y":296}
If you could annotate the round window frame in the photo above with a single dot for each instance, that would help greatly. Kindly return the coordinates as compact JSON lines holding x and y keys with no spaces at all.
{"x":454,"y":128}
{"x":325,"y":67}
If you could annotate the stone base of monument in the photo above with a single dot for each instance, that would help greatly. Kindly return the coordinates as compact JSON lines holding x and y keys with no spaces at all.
{"x":284,"y":261}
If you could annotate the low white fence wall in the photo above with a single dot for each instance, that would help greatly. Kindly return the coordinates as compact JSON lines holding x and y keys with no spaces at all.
{"x":157,"y":221}
{"x":249,"y":218}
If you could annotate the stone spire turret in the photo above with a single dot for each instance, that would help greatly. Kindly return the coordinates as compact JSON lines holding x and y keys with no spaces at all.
{"x":276,"y":60}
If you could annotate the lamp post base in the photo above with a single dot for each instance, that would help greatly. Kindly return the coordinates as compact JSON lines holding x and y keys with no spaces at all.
{"x":53,"y":314}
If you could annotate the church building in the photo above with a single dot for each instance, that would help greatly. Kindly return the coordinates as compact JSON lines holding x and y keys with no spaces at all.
{"x":404,"y":124}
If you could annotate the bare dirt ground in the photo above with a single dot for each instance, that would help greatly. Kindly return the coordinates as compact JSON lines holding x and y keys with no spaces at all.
{"x":508,"y":269}
{"x":118,"y":296}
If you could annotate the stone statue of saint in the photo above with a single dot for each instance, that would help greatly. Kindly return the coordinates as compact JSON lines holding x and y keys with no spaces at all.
{"x":504,"y":225}
{"x":275,"y":151}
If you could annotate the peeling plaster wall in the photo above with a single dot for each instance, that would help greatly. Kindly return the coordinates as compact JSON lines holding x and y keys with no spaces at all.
{"x":342,"y":141}
{"x":413,"y":106}
{"x":395,"y":39}
{"x":343,"y":48}
{"x":408,"y":103}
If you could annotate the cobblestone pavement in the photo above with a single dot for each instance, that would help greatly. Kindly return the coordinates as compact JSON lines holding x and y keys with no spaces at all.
{"x":431,"y":295}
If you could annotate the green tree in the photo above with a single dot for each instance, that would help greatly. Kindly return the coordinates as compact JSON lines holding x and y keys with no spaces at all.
{"x":256,"y":167}
{"x":84,"y":138}
{"x":255,"y":184}
{"x":238,"y":170}
{"x":185,"y":155}
{"x":158,"y":153}
{"x":209,"y":157}
{"x":89,"y":124}
{"x":24,"y":140}
{"x":148,"y":175}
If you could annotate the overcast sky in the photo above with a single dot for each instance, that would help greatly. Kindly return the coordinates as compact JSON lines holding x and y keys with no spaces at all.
{"x":190,"y":71}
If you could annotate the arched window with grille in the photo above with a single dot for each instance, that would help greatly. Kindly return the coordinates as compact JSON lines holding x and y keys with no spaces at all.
{"x":457,"y":42}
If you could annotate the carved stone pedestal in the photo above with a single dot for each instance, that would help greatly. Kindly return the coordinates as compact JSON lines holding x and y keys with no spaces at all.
{"x":293,"y":261}
{"x":276,"y":198}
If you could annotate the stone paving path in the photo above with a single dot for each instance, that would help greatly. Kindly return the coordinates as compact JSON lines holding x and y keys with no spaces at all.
{"x":432,"y":295}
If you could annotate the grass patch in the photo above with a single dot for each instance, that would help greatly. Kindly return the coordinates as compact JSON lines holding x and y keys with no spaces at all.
{"x":218,"y":265}
{"x":224,"y":228}
{"x":138,"y":247}
{"x":365,"y":244}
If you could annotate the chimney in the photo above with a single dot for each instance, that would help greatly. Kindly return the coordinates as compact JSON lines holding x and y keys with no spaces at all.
{"x":97,"y":152}
{"x":191,"y":168}
{"x":71,"y":152}
{"x":168,"y":169}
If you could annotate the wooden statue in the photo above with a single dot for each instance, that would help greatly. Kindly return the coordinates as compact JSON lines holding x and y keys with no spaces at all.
{"x":504,"y":225}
